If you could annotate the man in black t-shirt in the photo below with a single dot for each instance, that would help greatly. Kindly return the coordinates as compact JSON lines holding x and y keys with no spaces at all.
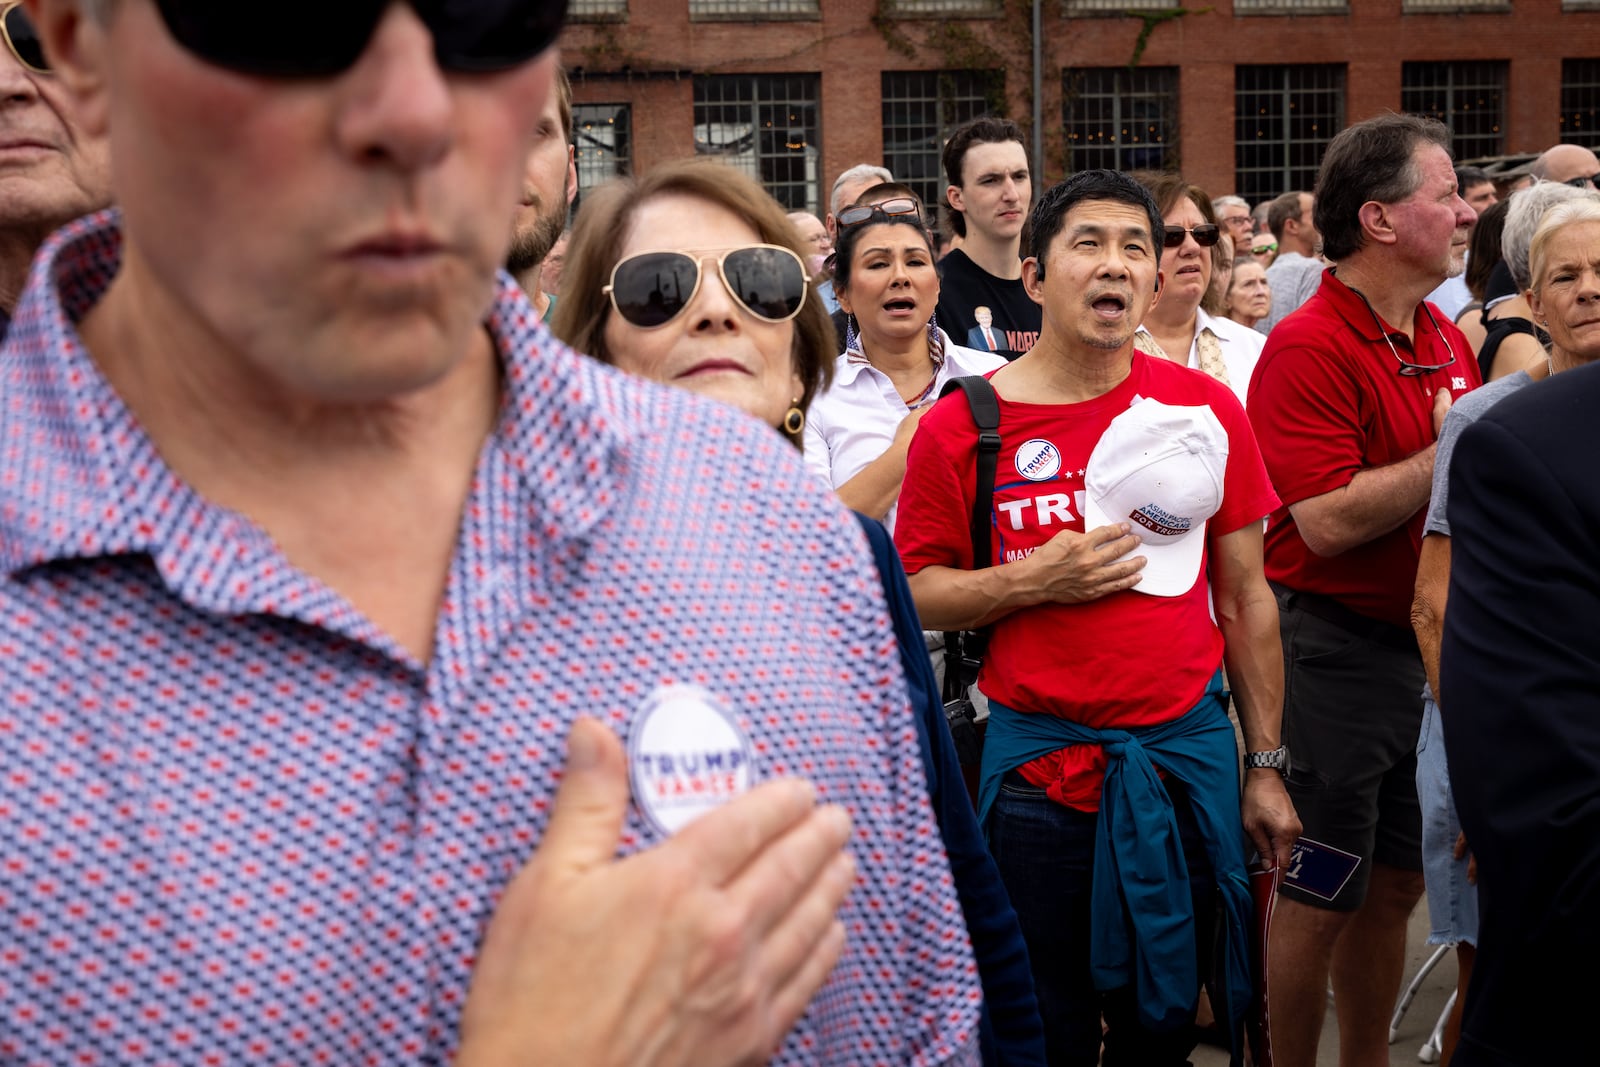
{"x":988,"y":198}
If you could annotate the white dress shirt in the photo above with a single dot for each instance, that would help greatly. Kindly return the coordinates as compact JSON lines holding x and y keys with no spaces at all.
{"x":854,"y":421}
{"x":1241,"y":348}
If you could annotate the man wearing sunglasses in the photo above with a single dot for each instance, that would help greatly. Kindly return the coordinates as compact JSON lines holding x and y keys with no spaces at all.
{"x":51,"y":170}
{"x":1569,"y":164}
{"x":1347,"y":401}
{"x":324,"y":570}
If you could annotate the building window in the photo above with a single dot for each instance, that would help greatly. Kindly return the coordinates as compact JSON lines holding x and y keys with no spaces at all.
{"x":1468,"y":97}
{"x":597,"y":10}
{"x":1120,"y":118}
{"x":943,"y":7}
{"x":752,"y":10}
{"x":1290,"y":7}
{"x":920,"y":108}
{"x":601,"y":136}
{"x":1283,"y":119}
{"x":1424,"y":7}
{"x":1075,"y":8}
{"x":1580,"y":101}
{"x":766,"y":125}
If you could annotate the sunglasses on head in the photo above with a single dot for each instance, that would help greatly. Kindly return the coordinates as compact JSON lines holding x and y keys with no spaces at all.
{"x":1205,"y":235}
{"x":651,"y":289}
{"x":21,"y":38}
{"x":900,"y":205}
{"x":306,"y":39}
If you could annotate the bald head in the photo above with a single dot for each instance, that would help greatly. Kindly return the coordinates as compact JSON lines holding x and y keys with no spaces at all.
{"x":1565,"y":163}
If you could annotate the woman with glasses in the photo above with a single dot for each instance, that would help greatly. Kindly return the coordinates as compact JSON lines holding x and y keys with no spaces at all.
{"x":693,"y":276}
{"x":1177,"y":327}
{"x":896,"y":358}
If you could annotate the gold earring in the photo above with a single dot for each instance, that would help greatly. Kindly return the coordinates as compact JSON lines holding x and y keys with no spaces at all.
{"x":794,"y":420}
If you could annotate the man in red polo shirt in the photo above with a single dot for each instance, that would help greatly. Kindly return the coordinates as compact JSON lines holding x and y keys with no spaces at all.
{"x":1346,"y":401}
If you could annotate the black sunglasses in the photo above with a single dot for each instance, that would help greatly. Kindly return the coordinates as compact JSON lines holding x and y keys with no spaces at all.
{"x":898,"y":206}
{"x":651,"y":289}
{"x":306,"y":39}
{"x":1205,"y":235}
{"x":21,"y":38}
{"x":1592,"y":181}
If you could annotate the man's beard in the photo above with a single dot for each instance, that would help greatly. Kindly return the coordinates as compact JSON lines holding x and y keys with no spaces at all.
{"x":530,"y":246}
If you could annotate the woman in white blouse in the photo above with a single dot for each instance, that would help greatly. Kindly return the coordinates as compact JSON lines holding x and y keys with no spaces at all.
{"x":896,"y":358}
{"x":1177,"y":327}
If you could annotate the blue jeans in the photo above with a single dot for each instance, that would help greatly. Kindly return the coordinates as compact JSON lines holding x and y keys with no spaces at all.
{"x":1045,"y":853}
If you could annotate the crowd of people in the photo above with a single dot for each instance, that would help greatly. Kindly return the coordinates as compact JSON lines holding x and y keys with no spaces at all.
{"x":392,"y":669}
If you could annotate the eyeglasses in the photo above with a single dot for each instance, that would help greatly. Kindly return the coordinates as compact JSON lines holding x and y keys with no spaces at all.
{"x":310,"y":39}
{"x":888,"y":209}
{"x":651,"y":289}
{"x":1590,"y":182}
{"x":21,"y":38}
{"x":1407,"y":368}
{"x":1261,"y":250}
{"x":1238,"y":220}
{"x":1205,"y":235}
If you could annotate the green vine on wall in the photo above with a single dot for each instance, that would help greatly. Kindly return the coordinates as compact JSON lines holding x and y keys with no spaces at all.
{"x":1151,"y":20}
{"x":966,"y":45}
{"x":607,"y":52}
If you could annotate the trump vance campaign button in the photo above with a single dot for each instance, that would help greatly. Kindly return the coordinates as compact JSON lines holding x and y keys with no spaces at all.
{"x":686,"y":755}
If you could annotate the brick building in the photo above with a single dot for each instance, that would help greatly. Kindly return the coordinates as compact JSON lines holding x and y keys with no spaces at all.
{"x":1241,"y":95}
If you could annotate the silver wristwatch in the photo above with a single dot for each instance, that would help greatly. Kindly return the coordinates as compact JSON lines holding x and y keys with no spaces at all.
{"x":1277,"y":759}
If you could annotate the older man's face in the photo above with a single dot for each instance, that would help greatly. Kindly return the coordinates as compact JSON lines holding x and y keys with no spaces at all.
{"x":51,"y":170}
{"x":338,"y":235}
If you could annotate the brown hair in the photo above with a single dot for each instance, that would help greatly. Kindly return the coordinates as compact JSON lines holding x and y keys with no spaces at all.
{"x":604,"y":223}
{"x":1167,"y":188}
{"x":986,"y":129}
{"x":562,"y":87}
{"x":1373,"y":160}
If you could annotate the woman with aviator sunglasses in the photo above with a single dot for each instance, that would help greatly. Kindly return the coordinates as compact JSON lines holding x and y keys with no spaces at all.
{"x":692,"y":276}
{"x":896,"y":358}
{"x":1176,"y":327}
{"x":22,"y":41}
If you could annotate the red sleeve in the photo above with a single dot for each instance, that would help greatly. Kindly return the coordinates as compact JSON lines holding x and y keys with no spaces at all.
{"x":1307,"y":413}
{"x":1247,"y":494}
{"x":933,"y":523}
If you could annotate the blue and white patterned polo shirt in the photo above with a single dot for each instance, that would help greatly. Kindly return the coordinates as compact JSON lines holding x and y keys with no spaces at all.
{"x":240,"y":824}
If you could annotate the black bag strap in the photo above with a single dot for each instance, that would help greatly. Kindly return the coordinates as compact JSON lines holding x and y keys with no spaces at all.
{"x":985,"y":407}
{"x":963,"y":651}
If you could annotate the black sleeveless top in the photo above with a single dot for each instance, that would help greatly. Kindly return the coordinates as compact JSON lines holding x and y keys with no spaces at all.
{"x":1496,"y":331}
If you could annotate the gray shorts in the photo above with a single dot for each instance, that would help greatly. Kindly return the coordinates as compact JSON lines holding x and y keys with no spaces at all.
{"x":1352,"y":710}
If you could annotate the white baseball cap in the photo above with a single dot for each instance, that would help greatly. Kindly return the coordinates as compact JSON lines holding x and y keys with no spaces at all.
{"x":1159,"y":467}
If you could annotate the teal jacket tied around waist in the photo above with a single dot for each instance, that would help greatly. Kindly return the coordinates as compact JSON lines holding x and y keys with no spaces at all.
{"x":1138,"y":858}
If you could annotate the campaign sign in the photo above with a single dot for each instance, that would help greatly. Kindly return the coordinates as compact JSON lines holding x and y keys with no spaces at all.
{"x":686,"y":756}
{"x":1319,"y":869}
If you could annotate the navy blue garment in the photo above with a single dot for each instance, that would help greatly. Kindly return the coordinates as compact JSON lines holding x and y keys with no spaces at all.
{"x":1012,"y":1034}
{"x":1144,"y":927}
{"x":1520,"y":705}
